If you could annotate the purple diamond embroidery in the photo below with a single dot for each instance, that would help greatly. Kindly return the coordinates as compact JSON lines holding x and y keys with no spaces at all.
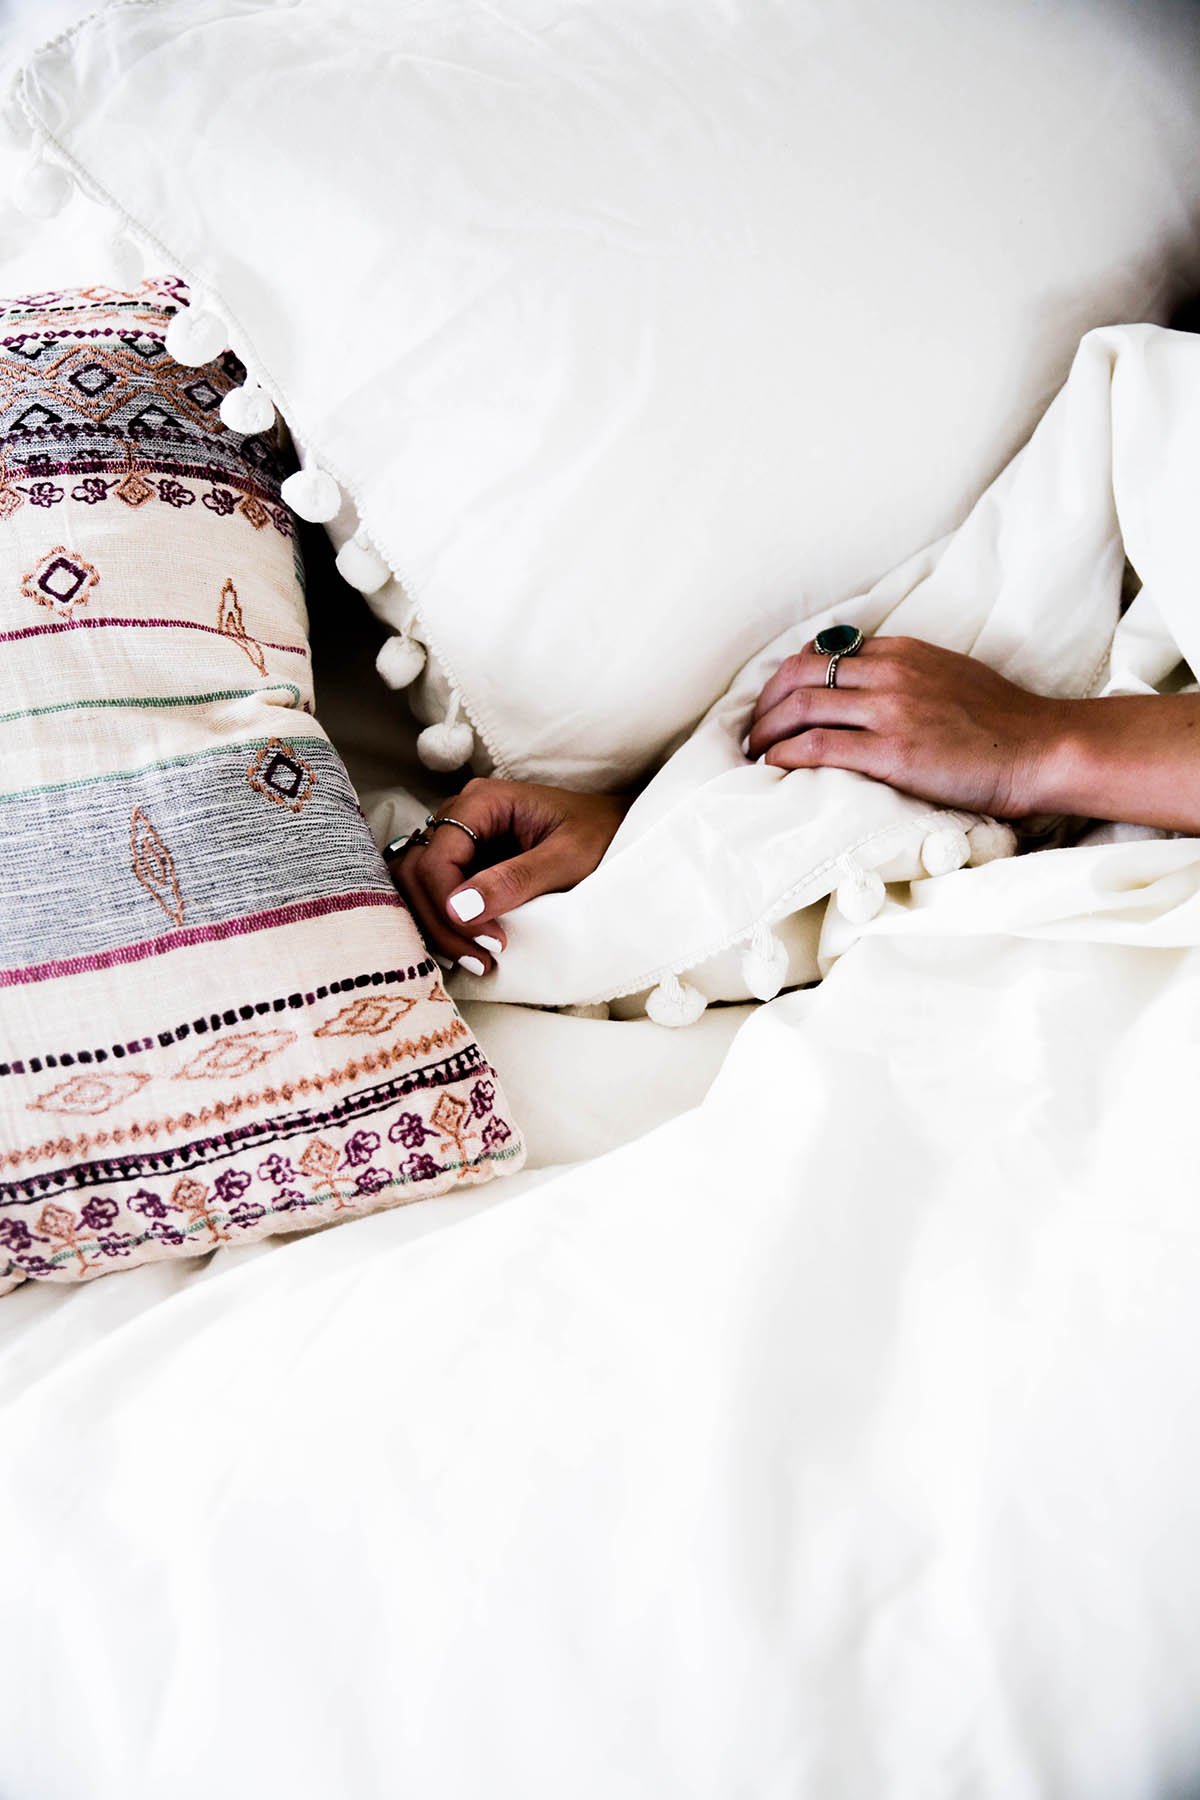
{"x":61,"y":580}
{"x":203,"y":395}
{"x":92,"y":379}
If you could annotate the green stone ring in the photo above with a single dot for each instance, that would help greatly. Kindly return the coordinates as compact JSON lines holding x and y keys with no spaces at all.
{"x":835,"y":642}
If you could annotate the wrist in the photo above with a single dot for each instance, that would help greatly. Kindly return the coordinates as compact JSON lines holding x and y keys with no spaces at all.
{"x":1087,"y":769}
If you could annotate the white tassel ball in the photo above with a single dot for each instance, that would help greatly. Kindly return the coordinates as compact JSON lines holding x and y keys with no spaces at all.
{"x":945,"y":850}
{"x":445,"y":746}
{"x":400,"y":660}
{"x":313,"y":495}
{"x":248,"y":409}
{"x":195,"y":337}
{"x":764,"y":964}
{"x":363,"y":567}
{"x":860,"y":894}
{"x":990,"y":840}
{"x":43,"y":190}
{"x":675,"y":1003}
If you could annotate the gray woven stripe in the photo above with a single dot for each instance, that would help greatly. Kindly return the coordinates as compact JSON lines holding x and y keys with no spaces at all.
{"x":233,"y":850}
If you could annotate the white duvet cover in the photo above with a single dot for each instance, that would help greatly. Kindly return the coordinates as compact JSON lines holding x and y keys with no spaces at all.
{"x":833,"y":1441}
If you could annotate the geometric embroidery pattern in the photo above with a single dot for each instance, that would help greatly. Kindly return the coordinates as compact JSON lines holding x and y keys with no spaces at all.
{"x":283,"y":776}
{"x":61,"y":581}
{"x":231,"y":624}
{"x":92,"y":1093}
{"x":154,"y":865}
{"x":134,"y":489}
{"x":369,"y":1016}
{"x":236,"y":1054}
{"x":219,"y":1122}
{"x":33,"y":1065}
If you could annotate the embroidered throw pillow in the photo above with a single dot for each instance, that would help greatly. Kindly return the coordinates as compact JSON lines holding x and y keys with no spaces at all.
{"x":699,"y":317}
{"x":217,"y":1020}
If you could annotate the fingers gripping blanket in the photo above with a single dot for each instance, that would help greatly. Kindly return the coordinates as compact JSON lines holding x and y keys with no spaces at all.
{"x":715,"y":849}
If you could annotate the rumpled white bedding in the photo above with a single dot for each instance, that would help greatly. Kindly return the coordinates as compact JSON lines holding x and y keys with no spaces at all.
{"x":833,"y":1440}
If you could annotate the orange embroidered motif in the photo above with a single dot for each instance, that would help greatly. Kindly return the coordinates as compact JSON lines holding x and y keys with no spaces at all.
{"x":11,"y":499}
{"x":231,"y":624}
{"x":235,"y":1054}
{"x":61,"y":581}
{"x":154,"y":866}
{"x":371,"y":1062}
{"x":93,"y":1093}
{"x":448,"y":1116}
{"x":320,"y":1163}
{"x":191,"y":1197}
{"x":369,"y":1016}
{"x":282,"y":776}
{"x":59,"y":1225}
{"x":96,"y":380}
{"x":134,"y":489}
{"x":254,"y":510}
{"x":319,"y":1158}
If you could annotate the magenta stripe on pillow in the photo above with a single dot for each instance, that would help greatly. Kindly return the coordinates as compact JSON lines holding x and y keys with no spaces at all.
{"x":28,"y":631}
{"x":194,"y":934}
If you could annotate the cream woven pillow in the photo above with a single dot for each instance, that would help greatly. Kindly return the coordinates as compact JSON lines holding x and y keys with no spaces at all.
{"x":216,"y":1018}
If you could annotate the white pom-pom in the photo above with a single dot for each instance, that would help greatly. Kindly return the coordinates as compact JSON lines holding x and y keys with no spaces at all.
{"x":195,"y":337}
{"x":860,"y":894}
{"x":447,"y":745}
{"x":43,"y":189}
{"x":764,"y":964}
{"x":400,"y":660}
{"x":945,"y":850}
{"x":312,"y":494}
{"x":598,"y":1010}
{"x":361,"y":566}
{"x":990,"y":840}
{"x":675,"y":1003}
{"x":248,"y":409}
{"x":125,"y":261}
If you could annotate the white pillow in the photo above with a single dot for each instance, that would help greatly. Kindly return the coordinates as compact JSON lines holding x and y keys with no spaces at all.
{"x":634,"y":331}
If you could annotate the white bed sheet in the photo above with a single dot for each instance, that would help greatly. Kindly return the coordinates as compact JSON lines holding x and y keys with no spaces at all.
{"x":831,"y":1441}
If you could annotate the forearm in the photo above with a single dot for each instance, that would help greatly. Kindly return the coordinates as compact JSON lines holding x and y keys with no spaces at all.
{"x":1132,"y":757}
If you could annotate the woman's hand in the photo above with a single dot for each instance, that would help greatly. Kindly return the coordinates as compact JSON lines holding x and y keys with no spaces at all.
{"x":939,"y":725}
{"x":532,"y":840}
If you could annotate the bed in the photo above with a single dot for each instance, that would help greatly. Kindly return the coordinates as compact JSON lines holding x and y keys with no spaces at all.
{"x":810,"y":1418}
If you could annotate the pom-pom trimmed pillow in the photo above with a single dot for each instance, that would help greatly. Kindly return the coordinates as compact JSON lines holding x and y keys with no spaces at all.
{"x":216,"y":1018}
{"x":699,"y":317}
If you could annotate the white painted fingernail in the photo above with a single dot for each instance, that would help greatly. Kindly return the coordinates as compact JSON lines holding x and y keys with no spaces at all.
{"x":472,"y":965}
{"x":467,"y":905}
{"x":447,"y":962}
{"x":492,"y":944}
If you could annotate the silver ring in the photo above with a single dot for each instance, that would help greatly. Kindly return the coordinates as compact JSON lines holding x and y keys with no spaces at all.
{"x":835,"y":642}
{"x":444,"y":819}
{"x":398,"y":845}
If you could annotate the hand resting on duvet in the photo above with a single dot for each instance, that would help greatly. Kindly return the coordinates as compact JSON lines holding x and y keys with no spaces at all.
{"x":923,"y":719}
{"x":949,"y":729}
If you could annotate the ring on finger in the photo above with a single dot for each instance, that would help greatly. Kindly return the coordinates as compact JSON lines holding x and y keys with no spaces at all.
{"x":835,"y":642}
{"x":432,"y":823}
{"x":398,"y":845}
